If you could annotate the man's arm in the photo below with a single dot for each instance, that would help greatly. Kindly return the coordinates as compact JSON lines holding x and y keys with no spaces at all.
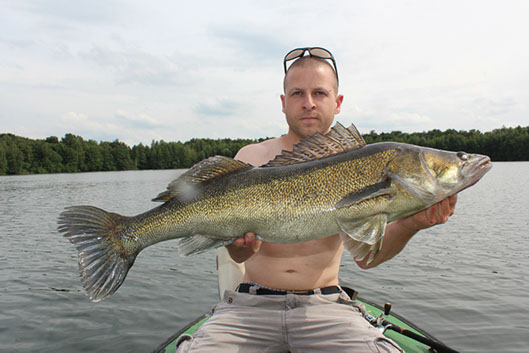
{"x":398,"y":233}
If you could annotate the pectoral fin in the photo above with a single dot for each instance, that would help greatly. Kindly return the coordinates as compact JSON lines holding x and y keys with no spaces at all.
{"x":382,"y":188}
{"x":368,"y":231}
{"x":365,"y":236}
{"x":360,"y":250}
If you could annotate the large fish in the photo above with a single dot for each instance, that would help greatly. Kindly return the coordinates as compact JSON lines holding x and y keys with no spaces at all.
{"x":328,"y":184}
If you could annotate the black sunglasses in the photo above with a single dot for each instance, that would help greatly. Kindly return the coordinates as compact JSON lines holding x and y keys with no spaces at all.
{"x":316,"y":52}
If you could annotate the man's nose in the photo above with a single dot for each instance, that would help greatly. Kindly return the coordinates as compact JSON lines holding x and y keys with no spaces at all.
{"x":309,"y":102}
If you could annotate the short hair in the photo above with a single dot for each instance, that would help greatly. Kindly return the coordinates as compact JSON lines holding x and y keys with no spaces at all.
{"x":306,"y":61}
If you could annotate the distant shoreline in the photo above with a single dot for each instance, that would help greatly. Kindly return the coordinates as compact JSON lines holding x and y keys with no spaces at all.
{"x":73,"y":154}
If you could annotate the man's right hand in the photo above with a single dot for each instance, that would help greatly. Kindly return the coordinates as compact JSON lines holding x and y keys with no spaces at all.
{"x":243,"y":248}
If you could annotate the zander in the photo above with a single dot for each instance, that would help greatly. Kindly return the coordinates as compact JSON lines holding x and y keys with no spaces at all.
{"x":328,"y":184}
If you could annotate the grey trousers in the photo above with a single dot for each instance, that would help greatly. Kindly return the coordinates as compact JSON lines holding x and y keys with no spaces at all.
{"x":245,"y":322}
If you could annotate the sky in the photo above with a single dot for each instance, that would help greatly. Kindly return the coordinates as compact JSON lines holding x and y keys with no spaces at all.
{"x":139,"y":71}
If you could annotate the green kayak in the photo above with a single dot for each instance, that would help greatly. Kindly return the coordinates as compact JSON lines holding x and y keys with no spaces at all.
{"x":408,"y":336}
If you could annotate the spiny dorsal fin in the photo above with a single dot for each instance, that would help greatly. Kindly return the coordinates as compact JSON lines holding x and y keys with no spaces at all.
{"x":338,"y":140}
{"x":201,"y":173}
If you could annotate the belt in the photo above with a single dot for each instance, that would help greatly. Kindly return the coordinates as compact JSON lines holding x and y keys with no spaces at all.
{"x":255,"y":289}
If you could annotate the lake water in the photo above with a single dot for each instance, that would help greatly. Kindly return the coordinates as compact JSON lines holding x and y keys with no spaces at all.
{"x":465,"y":282}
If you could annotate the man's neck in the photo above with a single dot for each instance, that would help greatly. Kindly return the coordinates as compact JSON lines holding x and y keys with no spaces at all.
{"x":289,"y":140}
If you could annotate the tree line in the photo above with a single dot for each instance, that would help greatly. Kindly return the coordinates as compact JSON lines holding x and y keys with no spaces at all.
{"x":20,"y":155}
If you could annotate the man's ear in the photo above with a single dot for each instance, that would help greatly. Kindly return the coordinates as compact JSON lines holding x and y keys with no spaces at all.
{"x":339,"y":101}
{"x":282,"y":102}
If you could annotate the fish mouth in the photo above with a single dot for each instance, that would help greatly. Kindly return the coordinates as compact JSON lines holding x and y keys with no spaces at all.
{"x":481,"y":166}
{"x":476,"y":171}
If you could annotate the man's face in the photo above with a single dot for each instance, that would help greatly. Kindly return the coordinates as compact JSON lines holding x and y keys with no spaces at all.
{"x":310,"y":101}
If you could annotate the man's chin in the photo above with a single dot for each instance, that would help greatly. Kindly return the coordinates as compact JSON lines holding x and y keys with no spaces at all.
{"x":304,"y":127}
{"x":310,"y":130}
{"x":310,"y":124}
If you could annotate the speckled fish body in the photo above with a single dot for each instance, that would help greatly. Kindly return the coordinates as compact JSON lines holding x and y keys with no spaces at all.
{"x":329,"y":184}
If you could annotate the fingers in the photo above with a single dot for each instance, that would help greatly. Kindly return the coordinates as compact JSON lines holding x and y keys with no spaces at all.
{"x":444,"y":211}
{"x":447,"y":208}
{"x":438,"y":213}
{"x":243,"y":248}
{"x":251,"y":241}
{"x":441,"y":211}
{"x":453,"y":200}
{"x":247,"y":240}
{"x":238,"y":243}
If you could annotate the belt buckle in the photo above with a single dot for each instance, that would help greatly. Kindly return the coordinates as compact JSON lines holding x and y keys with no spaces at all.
{"x":300,"y":292}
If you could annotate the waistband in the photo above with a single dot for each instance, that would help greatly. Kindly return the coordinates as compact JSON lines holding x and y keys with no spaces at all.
{"x":258,"y":290}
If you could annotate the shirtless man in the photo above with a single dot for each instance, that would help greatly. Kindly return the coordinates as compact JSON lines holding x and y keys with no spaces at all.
{"x":309,"y":103}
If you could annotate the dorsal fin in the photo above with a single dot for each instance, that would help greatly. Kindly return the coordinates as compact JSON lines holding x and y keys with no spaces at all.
{"x":338,"y":140}
{"x":201,"y":173}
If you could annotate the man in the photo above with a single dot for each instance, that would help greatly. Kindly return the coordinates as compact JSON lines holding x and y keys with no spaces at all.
{"x":265,"y":316}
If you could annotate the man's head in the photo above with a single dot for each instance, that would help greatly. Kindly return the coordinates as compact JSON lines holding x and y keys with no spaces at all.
{"x":308,"y":61}
{"x":311,"y":97}
{"x":313,"y":52}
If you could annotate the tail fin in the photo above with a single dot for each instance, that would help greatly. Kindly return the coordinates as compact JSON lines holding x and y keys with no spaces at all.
{"x":103,"y":261}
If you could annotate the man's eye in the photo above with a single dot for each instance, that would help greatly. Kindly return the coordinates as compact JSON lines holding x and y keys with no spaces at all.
{"x":297,"y":93}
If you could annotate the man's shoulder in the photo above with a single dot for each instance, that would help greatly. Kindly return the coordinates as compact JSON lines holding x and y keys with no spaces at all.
{"x":260,"y":153}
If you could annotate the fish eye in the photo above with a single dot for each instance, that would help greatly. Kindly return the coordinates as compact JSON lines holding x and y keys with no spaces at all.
{"x":463,"y":156}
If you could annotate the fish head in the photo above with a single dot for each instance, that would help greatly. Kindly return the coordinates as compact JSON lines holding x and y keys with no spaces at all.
{"x":433,"y":175}
{"x":455,"y":171}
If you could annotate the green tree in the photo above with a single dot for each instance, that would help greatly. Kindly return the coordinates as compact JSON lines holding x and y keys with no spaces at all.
{"x":140,"y":156}
{"x":46,"y":160}
{"x":72,"y":153}
{"x":3,"y":159}
{"x":108,"y":158}
{"x":121,"y":154}
{"x":93,"y":157}
{"x":15,"y":159}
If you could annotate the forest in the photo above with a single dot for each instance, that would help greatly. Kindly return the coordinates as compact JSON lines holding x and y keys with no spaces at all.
{"x":71,"y":153}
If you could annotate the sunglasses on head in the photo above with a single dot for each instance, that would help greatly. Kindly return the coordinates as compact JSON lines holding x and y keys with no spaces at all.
{"x":315,"y":52}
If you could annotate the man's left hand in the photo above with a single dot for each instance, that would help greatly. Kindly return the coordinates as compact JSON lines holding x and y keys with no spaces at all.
{"x":435,"y":214}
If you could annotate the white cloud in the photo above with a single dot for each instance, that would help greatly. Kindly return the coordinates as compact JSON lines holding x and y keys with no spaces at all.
{"x":221,"y":107}
{"x":129,"y":65}
{"x":136,"y":71}
{"x":133,"y":121}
